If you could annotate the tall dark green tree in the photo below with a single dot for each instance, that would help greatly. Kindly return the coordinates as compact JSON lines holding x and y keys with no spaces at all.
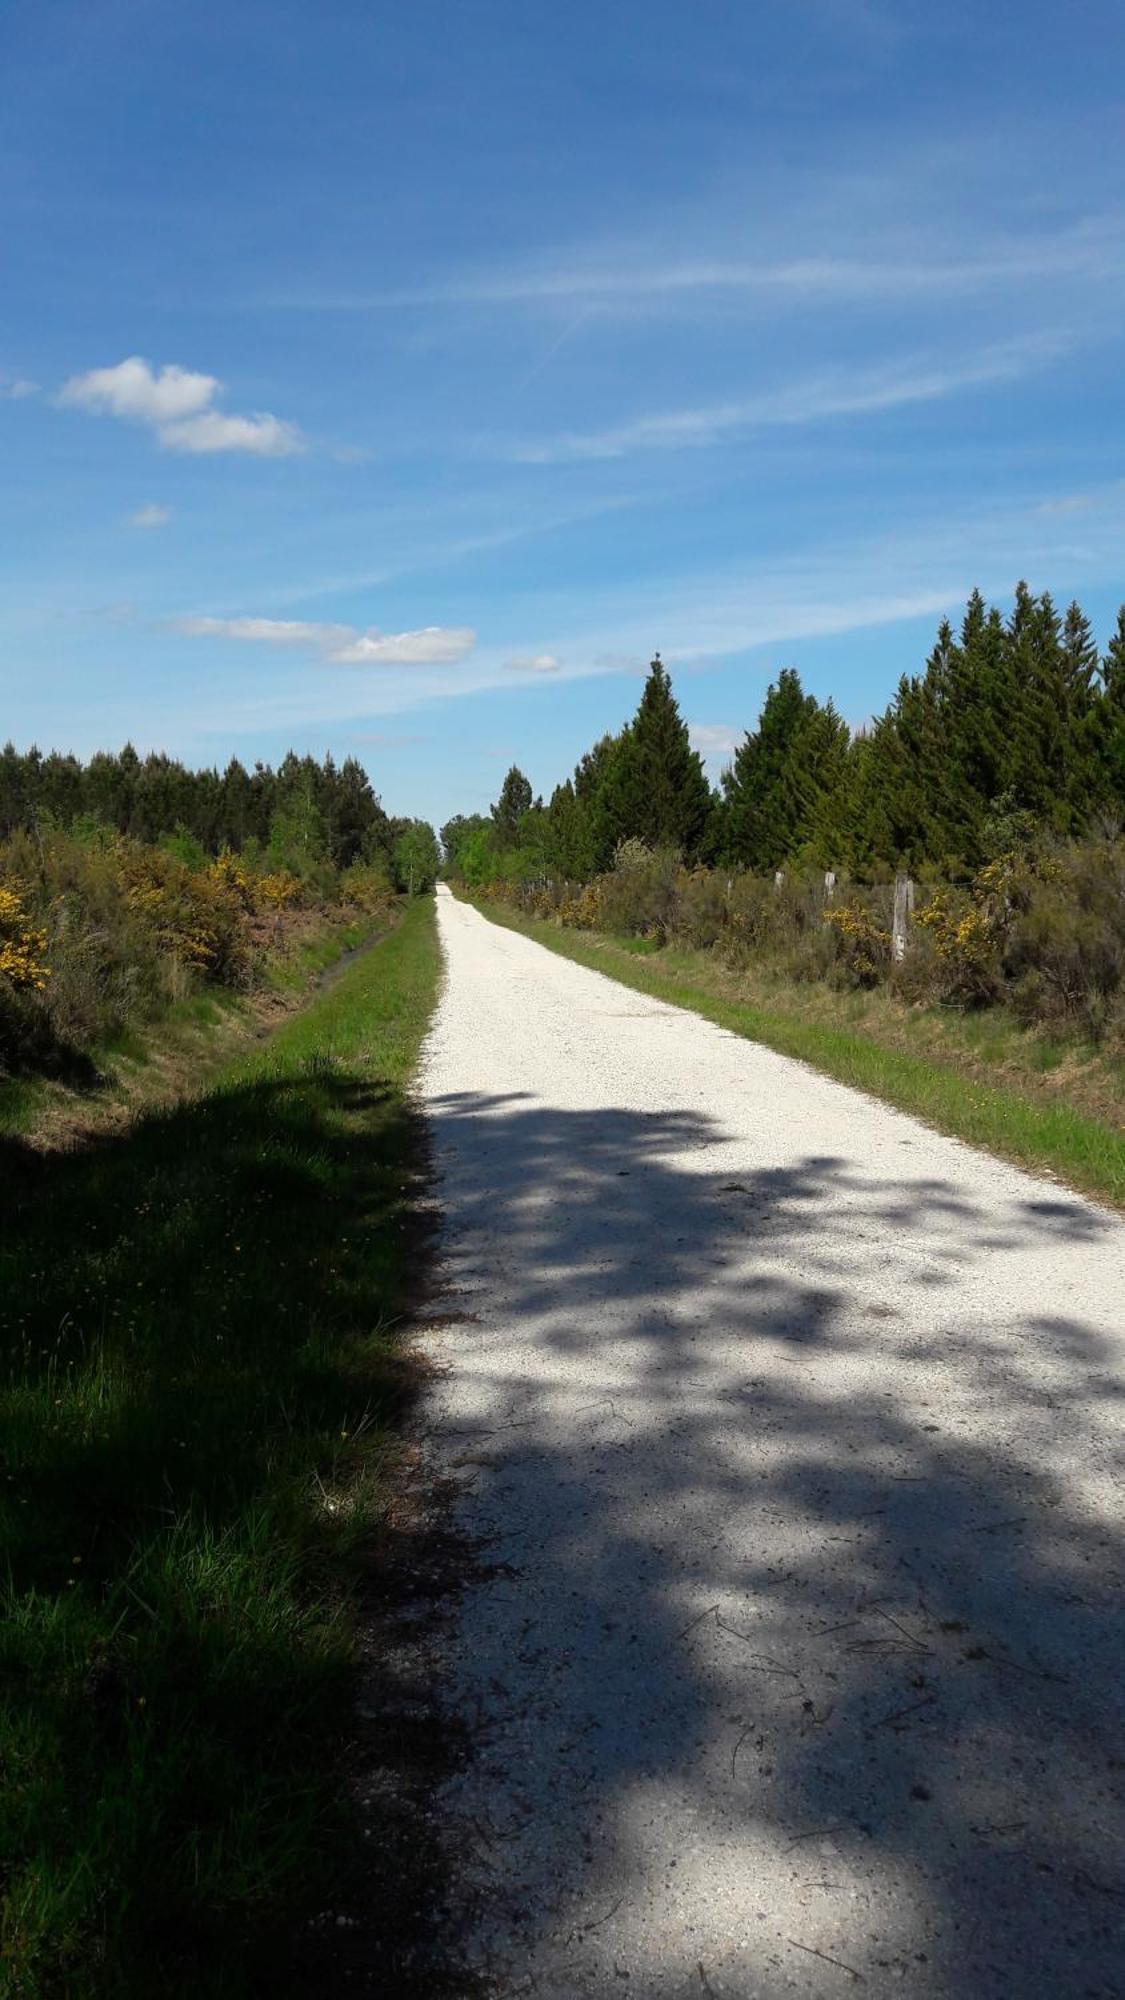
{"x":780,"y":795}
{"x":514,"y":801}
{"x":1113,"y":722}
{"x":656,"y":783}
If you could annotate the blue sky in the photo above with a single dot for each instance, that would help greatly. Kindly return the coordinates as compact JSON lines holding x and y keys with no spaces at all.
{"x":394,"y":379}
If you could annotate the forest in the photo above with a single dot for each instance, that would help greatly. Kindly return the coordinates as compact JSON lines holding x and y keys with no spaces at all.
{"x":1011,"y":724}
{"x":995,"y":777}
{"x":127,"y":884}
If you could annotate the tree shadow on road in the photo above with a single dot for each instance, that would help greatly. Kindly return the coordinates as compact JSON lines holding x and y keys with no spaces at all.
{"x":813,"y":1594}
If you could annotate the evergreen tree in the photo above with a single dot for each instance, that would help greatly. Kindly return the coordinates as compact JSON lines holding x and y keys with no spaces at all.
{"x":356,"y":823}
{"x":513,"y":803}
{"x":1113,"y":720}
{"x":657,"y":786}
{"x":780,"y":792}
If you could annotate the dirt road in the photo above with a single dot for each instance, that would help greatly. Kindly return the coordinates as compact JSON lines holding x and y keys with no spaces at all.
{"x":791,"y":1429}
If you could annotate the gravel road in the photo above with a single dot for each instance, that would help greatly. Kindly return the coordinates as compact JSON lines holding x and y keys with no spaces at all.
{"x":791,"y":1433}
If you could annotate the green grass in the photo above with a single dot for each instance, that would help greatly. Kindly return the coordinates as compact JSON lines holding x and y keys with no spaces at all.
{"x":192,"y":1039}
{"x":1048,"y":1135}
{"x":198,"y":1384}
{"x":320,"y":954}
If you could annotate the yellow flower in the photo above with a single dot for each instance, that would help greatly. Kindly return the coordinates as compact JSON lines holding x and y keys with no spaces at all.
{"x":21,"y":946}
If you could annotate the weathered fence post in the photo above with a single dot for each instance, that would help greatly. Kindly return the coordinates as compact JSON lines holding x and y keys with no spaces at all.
{"x":779,"y":881}
{"x":829,"y":885}
{"x":900,"y":924}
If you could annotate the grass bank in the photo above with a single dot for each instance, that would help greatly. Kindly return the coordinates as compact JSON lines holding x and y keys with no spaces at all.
{"x":198,"y":1387}
{"x":150,"y":1065}
{"x":978,"y":1078}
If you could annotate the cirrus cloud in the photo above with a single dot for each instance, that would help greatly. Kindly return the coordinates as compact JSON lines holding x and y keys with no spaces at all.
{"x":342,"y":645}
{"x":178,"y":405}
{"x":153,"y":515}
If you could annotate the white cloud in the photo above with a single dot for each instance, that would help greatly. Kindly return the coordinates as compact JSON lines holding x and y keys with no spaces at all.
{"x":433,"y":646}
{"x":264,"y":435}
{"x":152,"y":515}
{"x":533,"y":663}
{"x":342,"y":645}
{"x":178,"y":405}
{"x":809,"y":400}
{"x":17,"y":390}
{"x":715,"y":741}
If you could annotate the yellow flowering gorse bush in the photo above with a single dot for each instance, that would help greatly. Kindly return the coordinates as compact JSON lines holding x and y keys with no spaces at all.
{"x":864,"y":947}
{"x":22,"y":947}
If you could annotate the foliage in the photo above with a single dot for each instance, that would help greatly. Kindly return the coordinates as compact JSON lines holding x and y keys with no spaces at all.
{"x":1012,"y":736}
{"x":417,"y":858}
{"x":965,"y":945}
{"x":1043,"y":929}
{"x":514,"y":803}
{"x":128,"y":927}
{"x":22,"y":947}
{"x":863,"y":946}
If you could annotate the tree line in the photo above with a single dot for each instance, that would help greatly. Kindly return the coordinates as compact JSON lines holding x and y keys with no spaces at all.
{"x":303,"y":816}
{"x":1014,"y":726}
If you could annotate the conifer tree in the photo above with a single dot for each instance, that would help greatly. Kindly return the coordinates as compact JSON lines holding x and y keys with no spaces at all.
{"x":513,"y":803}
{"x":658,"y":782}
{"x":1113,"y":723}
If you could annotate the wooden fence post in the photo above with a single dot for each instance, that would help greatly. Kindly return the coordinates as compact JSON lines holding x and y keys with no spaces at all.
{"x":904,"y":909}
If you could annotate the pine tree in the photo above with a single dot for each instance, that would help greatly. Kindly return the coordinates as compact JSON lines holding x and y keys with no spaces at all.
{"x":513,"y":803}
{"x":660,"y":784}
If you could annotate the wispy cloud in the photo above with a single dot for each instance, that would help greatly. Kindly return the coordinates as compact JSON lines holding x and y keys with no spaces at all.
{"x":152,"y":515}
{"x":811,"y":399}
{"x":533,"y":663}
{"x":178,"y":405}
{"x":616,"y":274}
{"x":341,"y":645}
{"x":715,"y":741}
{"x":16,"y":389}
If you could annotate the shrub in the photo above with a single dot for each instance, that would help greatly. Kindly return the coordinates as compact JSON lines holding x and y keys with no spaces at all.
{"x":277,"y":891}
{"x":22,"y":946}
{"x":751,"y":917}
{"x":863,"y":946}
{"x":638,"y":896}
{"x":963,"y":934}
{"x":582,"y":911}
{"x":1064,"y":950}
{"x":365,"y":884}
{"x":699,"y":914}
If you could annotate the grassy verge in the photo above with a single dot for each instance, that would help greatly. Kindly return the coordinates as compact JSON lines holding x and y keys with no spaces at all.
{"x":198,"y":1382}
{"x":155,"y":1063}
{"x":946,"y":1077}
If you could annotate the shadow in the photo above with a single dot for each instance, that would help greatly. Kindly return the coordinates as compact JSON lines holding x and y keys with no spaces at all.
{"x":200,"y":1341}
{"x":802,"y":1664}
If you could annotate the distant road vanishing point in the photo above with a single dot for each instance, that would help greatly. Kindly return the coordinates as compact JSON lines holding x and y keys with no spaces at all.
{"x":793,"y":1432}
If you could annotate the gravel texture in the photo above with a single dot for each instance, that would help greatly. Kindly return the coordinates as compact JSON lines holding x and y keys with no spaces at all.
{"x":791,"y":1430}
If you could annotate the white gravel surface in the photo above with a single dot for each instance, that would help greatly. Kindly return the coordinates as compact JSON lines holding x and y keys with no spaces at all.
{"x":791,"y":1431}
